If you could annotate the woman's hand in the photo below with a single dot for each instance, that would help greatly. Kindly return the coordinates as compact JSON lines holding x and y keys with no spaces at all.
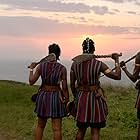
{"x":123,"y":65}
{"x":33,"y":65}
{"x":115,"y":56}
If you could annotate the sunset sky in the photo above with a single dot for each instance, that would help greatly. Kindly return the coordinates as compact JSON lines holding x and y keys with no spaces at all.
{"x":27,"y":27}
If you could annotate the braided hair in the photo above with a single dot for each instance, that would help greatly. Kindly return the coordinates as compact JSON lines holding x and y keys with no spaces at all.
{"x":88,"y":45}
{"x":54,"y":48}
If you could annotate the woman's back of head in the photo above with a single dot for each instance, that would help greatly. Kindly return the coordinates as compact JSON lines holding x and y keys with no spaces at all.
{"x":88,"y":45}
{"x":54,"y":48}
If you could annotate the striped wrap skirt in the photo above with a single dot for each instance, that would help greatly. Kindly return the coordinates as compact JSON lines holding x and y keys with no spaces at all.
{"x":49,"y":105}
{"x":90,"y":109}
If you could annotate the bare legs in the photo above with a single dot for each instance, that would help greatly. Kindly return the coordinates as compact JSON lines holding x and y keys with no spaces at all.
{"x":56,"y":126}
{"x":95,"y":133}
{"x":80,"y":134}
{"x":40,"y":128}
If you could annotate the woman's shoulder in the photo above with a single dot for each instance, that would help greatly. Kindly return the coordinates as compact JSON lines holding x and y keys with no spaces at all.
{"x":60,"y":64}
{"x":96,"y":60}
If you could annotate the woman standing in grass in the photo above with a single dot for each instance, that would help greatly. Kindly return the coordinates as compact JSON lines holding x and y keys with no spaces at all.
{"x":53,"y":94}
{"x":90,"y":102}
{"x":134,"y":77}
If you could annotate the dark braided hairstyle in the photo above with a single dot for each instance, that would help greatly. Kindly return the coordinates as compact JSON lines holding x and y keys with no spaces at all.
{"x":54,"y":48}
{"x":88,"y":46}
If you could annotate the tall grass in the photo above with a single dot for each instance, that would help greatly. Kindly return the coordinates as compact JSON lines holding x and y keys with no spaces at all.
{"x":17,"y":118}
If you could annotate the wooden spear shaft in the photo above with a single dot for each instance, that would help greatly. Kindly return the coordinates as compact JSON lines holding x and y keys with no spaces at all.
{"x":130,"y":59}
{"x":127,"y":60}
{"x":96,"y":56}
{"x":106,"y":56}
{"x":124,"y":62}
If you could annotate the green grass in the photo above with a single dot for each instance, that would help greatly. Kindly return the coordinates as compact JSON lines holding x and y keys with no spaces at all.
{"x":17,"y":118}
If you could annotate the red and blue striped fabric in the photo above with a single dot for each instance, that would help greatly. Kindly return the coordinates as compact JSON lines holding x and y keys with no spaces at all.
{"x":89,"y":108}
{"x":48,"y":104}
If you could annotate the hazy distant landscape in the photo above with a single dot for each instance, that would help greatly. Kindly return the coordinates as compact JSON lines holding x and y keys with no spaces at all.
{"x":16,"y":70}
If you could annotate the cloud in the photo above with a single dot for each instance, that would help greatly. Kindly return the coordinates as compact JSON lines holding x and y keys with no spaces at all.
{"x":35,"y":27}
{"x":131,"y":12}
{"x":116,"y":1}
{"x":123,"y":1}
{"x":138,"y":3}
{"x":56,"y":6}
{"x":100,"y":10}
{"x":116,"y":10}
{"x":27,"y":26}
{"x":132,"y":38}
{"x":120,"y":1}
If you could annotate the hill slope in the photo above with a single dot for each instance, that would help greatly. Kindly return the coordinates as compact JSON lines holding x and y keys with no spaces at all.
{"x":17,"y":119}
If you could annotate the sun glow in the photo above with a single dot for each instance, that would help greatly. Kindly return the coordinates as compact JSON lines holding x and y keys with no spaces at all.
{"x":84,"y":36}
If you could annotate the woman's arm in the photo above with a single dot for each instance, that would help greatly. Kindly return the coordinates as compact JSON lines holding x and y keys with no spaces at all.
{"x":133,"y":77}
{"x":33,"y":77}
{"x":116,"y":75}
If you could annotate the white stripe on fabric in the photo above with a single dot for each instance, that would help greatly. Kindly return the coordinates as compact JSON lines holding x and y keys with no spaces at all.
{"x":95,"y":68}
{"x":93,"y":97}
{"x":91,"y":72}
{"x":86,"y":111}
{"x":88,"y":74}
{"x":98,"y":69}
{"x":103,"y":108}
{"x":78,"y":106}
{"x":78,"y":72}
{"x":91,"y":107}
{"x":98,"y":111}
{"x":51,"y":99}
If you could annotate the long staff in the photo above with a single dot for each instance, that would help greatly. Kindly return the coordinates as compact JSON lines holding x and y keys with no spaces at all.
{"x":96,"y":56}
{"x":106,"y":56}
{"x":43,"y":59}
{"x":131,"y":58}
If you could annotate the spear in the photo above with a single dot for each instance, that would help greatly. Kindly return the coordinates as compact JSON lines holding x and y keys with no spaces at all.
{"x":131,"y":58}
{"x":50,"y":57}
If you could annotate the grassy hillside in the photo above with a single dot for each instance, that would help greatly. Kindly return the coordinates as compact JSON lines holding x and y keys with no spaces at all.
{"x":17,"y":119}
